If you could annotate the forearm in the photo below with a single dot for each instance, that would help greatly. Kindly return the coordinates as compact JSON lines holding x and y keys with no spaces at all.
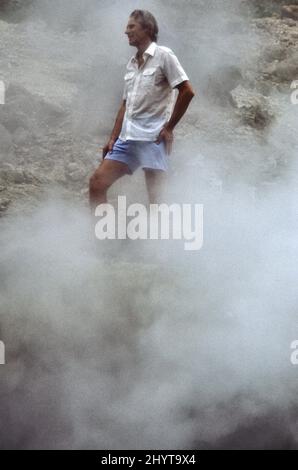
{"x":181,"y":105}
{"x":118,"y":123}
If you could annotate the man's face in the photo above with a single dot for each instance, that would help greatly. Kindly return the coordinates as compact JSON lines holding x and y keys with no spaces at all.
{"x":135,"y":33}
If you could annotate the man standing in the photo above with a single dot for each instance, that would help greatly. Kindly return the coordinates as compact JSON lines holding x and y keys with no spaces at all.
{"x":143,"y":132}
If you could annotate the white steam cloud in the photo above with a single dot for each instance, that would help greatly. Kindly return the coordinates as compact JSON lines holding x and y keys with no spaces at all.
{"x":127,"y":345}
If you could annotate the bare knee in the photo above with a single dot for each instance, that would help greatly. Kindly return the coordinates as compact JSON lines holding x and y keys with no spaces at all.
{"x":98,"y":183}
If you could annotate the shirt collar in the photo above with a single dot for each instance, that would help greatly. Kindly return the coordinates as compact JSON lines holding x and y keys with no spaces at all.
{"x":149,"y":51}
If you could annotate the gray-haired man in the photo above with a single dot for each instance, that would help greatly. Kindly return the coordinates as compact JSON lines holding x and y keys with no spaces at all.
{"x":143,"y":132}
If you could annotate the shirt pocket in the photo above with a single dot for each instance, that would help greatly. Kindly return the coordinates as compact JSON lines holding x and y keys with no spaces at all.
{"x":148,"y":77}
{"x":128,"y":81}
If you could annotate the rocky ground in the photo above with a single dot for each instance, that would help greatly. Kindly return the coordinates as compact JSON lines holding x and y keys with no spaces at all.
{"x":40,"y":146}
{"x":108,"y":352}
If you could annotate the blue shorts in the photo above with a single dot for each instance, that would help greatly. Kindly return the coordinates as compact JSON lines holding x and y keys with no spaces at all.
{"x":139,"y":154}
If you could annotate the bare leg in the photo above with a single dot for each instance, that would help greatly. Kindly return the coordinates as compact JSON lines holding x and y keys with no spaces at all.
{"x":155,"y":182}
{"x":105,"y":175}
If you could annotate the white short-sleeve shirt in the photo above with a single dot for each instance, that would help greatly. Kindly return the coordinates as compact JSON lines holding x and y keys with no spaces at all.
{"x":149,"y":93}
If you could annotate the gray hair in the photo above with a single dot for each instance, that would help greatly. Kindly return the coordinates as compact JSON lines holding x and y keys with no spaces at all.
{"x":147,"y":21}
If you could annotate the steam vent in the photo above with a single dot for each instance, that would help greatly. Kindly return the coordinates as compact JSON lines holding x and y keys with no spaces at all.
{"x":153,"y":310}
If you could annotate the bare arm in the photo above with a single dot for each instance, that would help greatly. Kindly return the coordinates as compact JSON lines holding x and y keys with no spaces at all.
{"x":116,"y":130}
{"x":185,"y":96}
{"x":118,"y":123}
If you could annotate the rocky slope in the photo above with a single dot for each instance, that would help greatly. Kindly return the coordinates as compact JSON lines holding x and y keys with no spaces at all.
{"x":40,"y":146}
{"x":148,"y":346}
